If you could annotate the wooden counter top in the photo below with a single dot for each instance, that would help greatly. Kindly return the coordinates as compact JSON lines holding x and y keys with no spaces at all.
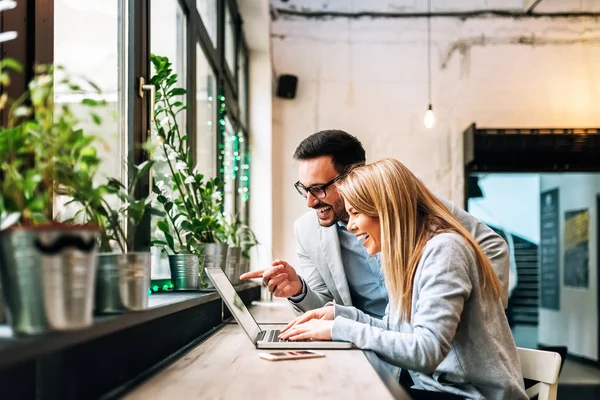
{"x":227,"y":366}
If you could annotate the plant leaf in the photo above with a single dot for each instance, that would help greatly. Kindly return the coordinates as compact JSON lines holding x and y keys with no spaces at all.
{"x":96,"y":118}
{"x":12,"y":64}
{"x":170,"y":241}
{"x":9,"y":220}
{"x":163,"y":226}
{"x":176,"y":92}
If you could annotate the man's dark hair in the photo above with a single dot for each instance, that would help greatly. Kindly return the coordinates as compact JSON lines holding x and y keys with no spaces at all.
{"x":344,"y":149}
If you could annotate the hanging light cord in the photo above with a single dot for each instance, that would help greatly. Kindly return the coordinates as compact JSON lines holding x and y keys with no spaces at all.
{"x":429,"y":50}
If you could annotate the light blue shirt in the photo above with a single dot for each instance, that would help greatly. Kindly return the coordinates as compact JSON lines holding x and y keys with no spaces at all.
{"x":363,"y":273}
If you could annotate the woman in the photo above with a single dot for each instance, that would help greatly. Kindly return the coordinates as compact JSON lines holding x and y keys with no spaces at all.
{"x":445,"y":323}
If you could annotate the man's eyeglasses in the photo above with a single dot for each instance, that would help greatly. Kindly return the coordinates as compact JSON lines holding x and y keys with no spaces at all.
{"x":317,"y":191}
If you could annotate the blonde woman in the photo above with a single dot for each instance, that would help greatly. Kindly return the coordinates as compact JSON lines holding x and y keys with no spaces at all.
{"x":445,"y":322}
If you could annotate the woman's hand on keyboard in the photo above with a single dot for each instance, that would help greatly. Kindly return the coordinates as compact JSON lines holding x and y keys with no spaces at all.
{"x":325,"y":313}
{"x":315,"y":329}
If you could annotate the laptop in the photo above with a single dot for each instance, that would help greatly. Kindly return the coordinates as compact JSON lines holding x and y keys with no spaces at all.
{"x":262,"y":339}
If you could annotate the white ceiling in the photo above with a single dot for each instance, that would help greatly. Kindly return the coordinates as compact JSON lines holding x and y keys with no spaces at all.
{"x":411,"y":6}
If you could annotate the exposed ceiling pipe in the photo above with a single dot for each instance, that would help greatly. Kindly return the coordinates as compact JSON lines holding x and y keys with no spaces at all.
{"x":317,"y":14}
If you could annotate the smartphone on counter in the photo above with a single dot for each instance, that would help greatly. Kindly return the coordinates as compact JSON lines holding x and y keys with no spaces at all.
{"x":290,"y":355}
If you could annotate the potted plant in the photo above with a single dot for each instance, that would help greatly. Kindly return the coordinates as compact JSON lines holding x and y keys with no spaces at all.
{"x":123,"y":277}
{"x":5,"y":81}
{"x":47,"y":266}
{"x":192,"y":230}
{"x":241,"y":239}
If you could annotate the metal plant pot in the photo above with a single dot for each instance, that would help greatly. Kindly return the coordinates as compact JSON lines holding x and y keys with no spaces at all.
{"x":48,"y":276}
{"x":234,"y":255}
{"x":214,"y":255}
{"x":122,"y":283}
{"x":184,"y":271}
{"x":244,"y":266}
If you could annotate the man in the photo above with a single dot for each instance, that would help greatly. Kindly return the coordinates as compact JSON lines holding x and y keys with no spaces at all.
{"x":333,"y":263}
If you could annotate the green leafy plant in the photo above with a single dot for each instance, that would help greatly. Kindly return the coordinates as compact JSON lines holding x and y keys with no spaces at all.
{"x":240,"y":235}
{"x":110,"y":217}
{"x":43,"y":154}
{"x":42,"y":151}
{"x":191,"y":202}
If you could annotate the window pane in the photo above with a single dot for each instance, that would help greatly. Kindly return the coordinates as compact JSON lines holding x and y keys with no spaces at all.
{"x":230,"y":167}
{"x":168,"y":39}
{"x":243,"y":179}
{"x":242,"y":86}
{"x":78,"y":23}
{"x":208,"y":14}
{"x":205,"y":100}
{"x":229,"y":40}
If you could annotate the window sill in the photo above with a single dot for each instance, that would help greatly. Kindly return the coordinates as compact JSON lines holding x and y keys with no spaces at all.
{"x":14,"y":350}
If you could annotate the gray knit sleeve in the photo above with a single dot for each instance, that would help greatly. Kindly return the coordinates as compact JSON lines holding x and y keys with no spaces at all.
{"x":443,"y":285}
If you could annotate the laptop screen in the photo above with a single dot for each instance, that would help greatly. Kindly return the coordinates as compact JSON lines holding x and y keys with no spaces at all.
{"x":234,"y":302}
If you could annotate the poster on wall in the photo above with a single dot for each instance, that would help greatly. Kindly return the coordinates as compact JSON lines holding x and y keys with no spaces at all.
{"x":577,"y":240}
{"x":549,"y":250}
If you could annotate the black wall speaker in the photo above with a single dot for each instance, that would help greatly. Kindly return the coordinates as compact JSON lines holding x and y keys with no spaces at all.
{"x":286,"y":86}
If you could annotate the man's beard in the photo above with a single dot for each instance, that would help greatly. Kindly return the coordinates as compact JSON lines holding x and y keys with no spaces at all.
{"x":338,"y":210}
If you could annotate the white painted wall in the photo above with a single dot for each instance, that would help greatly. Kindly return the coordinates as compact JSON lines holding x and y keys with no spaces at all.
{"x":575,"y":324}
{"x":369,"y":77}
{"x":511,"y":202}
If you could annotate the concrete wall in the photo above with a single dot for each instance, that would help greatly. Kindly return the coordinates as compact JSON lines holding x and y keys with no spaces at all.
{"x":369,"y":77}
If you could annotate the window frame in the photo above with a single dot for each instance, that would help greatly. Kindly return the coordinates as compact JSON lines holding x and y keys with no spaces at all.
{"x":35,"y":44}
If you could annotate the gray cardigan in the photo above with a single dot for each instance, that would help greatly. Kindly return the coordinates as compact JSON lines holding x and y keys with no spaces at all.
{"x":458,"y":340}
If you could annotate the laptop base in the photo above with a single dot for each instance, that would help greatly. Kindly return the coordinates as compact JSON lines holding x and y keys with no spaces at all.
{"x":317,"y":345}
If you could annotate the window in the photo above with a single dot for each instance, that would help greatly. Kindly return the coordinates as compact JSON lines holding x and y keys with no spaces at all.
{"x":167,"y":39}
{"x":95,"y":40}
{"x":230,"y":39}
{"x":230,"y":167}
{"x":77,"y":24}
{"x":208,"y":13}
{"x":242,"y":85}
{"x":206,"y":143}
{"x":243,"y":178}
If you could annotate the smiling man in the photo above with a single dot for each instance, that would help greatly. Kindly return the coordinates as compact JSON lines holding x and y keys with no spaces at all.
{"x":334,"y":265}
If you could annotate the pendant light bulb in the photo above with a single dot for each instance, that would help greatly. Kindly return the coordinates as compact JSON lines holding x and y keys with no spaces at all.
{"x":429,"y":119}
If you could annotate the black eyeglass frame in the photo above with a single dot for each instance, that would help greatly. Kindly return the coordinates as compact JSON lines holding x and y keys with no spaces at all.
{"x":303,"y":190}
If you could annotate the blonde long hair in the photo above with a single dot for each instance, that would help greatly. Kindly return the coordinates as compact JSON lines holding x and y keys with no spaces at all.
{"x":409,"y":215}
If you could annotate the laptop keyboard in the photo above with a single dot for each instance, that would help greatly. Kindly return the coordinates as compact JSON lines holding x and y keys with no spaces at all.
{"x":272,"y":336}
